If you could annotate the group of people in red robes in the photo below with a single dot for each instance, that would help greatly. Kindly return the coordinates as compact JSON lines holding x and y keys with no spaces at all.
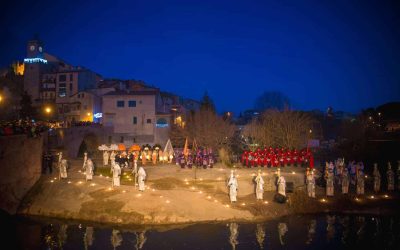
{"x":277,"y":157}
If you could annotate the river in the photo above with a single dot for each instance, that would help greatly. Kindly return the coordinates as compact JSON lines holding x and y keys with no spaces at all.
{"x":327,"y":231}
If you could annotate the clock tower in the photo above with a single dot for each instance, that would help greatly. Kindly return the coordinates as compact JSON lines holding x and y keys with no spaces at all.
{"x":35,"y":65}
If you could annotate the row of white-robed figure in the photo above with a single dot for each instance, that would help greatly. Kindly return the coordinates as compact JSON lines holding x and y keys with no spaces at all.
{"x":259,"y":182}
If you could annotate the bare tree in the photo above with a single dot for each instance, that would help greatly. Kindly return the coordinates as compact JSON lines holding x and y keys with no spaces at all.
{"x":289,"y":129}
{"x":209,"y":129}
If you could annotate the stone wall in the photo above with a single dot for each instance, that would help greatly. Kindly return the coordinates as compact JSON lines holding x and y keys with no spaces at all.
{"x":20,"y":168}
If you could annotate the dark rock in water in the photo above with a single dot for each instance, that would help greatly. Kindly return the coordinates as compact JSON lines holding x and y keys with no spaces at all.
{"x":280,"y":198}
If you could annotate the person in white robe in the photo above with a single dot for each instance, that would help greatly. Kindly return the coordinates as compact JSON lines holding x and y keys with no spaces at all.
{"x":377,"y":178}
{"x":60,"y":156}
{"x":390,"y":177}
{"x":112,"y":158}
{"x":330,"y":183}
{"x":360,"y":182}
{"x":233,"y":187}
{"x":310,"y":184}
{"x":89,"y":169}
{"x":345,"y":181}
{"x":259,"y":186}
{"x":106,"y":157}
{"x":281,"y":185}
{"x":85,"y":157}
{"x":141,"y":178}
{"x":63,"y":169}
{"x":116,"y":172}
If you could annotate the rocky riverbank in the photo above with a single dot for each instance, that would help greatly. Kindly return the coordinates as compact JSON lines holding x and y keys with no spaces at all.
{"x":175,"y":196}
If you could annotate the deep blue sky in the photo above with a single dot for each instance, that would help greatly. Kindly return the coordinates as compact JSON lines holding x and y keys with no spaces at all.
{"x":340,"y":53}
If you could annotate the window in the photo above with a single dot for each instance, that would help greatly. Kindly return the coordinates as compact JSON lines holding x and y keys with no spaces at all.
{"x":134,"y":120}
{"x":70,"y":87}
{"x":71,"y":77}
{"x":62,"y":78}
{"x":148,"y":121}
{"x":62,"y":90}
{"x":83,"y":95}
{"x":120,"y":104}
{"x":121,"y":140}
{"x":132,"y":103}
{"x":79,"y":95}
{"x":109,"y":139}
{"x":85,"y":107}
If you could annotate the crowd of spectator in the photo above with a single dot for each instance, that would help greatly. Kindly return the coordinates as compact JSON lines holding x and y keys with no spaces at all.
{"x":30,"y":128}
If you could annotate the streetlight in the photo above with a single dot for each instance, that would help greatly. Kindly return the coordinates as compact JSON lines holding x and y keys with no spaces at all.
{"x":47,"y":110}
{"x":1,"y":98}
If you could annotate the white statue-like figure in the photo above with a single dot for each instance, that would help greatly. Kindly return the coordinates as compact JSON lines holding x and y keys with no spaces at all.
{"x":390,"y":177}
{"x":233,"y":187}
{"x":116,"y":172}
{"x":63,"y":169}
{"x":89,"y":169}
{"x":377,"y":178}
{"x":345,"y":181}
{"x":330,"y":182}
{"x":112,"y":158}
{"x":310,"y":183}
{"x":141,"y":178}
{"x":360,"y":182}
{"x":106,"y":157}
{"x":259,"y":186}
{"x":85,"y":157}
{"x":281,"y":185}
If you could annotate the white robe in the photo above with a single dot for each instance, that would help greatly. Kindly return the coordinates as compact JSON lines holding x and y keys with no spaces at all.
{"x":377,"y":181}
{"x":116,"y":171}
{"x":141,"y":178}
{"x":282,"y":186}
{"x":112,"y":158}
{"x":84,"y":161}
{"x":311,"y":185}
{"x":259,"y":187}
{"x":233,"y":185}
{"x":106,"y":156}
{"x":63,"y":169}
{"x":89,"y":170}
{"x":330,"y":184}
{"x":360,"y":184}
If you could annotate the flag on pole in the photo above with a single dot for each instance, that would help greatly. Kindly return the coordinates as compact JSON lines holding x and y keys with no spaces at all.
{"x":194,"y":147}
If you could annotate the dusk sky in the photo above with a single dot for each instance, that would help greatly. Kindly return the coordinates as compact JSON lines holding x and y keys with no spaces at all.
{"x":344,"y":54}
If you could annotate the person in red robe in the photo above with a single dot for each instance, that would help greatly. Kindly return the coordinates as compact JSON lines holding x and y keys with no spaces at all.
{"x":311,"y":161}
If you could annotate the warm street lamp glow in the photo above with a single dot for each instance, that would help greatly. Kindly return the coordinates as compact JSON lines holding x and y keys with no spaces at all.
{"x":88,"y":114}
{"x":47,"y":110}
{"x":310,"y":131}
{"x":1,"y":98}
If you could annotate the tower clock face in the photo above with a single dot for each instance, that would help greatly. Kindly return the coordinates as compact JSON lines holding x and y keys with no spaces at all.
{"x":32,"y":47}
{"x":40,"y":49}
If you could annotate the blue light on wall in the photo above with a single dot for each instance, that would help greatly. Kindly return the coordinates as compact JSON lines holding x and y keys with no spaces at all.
{"x":161,"y":123}
{"x":35,"y":60}
{"x":98,"y":115}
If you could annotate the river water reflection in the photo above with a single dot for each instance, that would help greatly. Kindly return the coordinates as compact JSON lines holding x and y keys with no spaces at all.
{"x":293,"y":232}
